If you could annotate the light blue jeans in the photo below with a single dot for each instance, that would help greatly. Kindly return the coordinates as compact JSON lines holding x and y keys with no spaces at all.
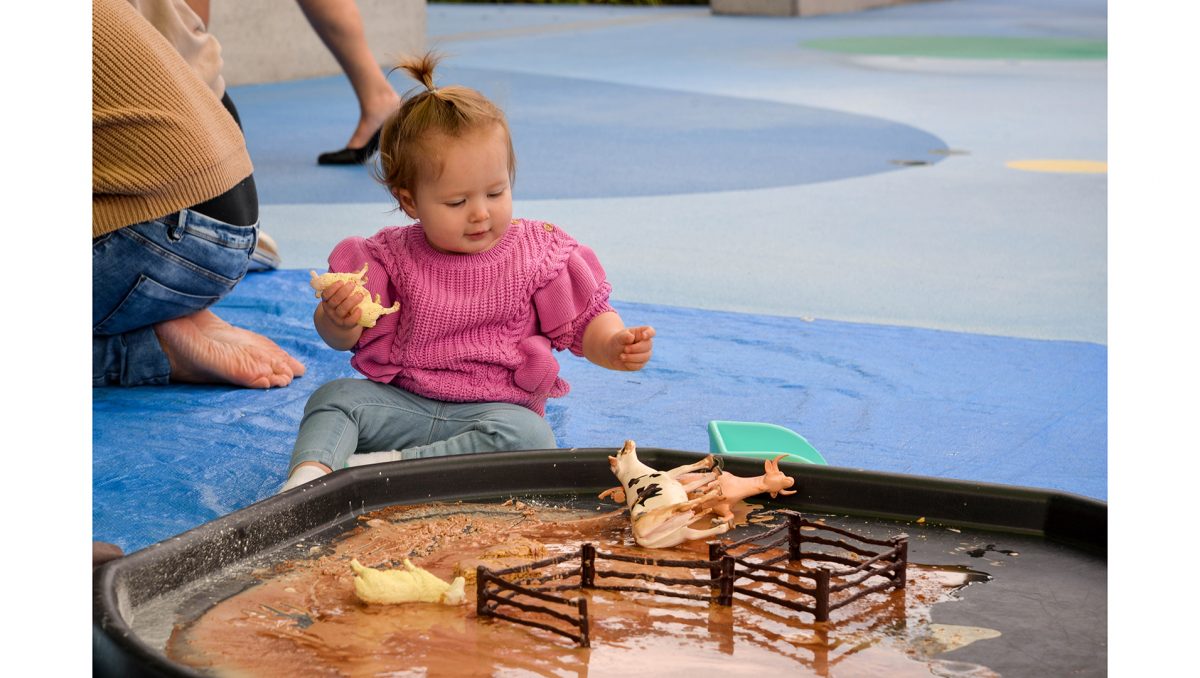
{"x":357,"y":415}
{"x":152,"y":272}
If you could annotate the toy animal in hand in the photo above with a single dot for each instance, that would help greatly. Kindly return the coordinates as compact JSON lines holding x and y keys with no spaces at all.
{"x":660,"y":510}
{"x":371,"y":308}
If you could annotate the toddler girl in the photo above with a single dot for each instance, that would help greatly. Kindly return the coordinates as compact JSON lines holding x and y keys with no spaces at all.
{"x":465,"y":365}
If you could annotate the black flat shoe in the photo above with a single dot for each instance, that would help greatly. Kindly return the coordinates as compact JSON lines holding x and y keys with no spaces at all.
{"x":351,"y":156}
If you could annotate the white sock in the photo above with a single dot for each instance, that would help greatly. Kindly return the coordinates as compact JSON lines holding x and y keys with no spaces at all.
{"x":364,"y":458}
{"x":302,"y":475}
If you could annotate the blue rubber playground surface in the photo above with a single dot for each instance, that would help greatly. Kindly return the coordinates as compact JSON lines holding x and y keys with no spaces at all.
{"x":883,"y":230}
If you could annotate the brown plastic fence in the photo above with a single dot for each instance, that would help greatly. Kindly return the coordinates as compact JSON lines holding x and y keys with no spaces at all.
{"x":727,"y":563}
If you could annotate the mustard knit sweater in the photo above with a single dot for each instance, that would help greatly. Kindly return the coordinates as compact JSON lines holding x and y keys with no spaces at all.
{"x":161,"y":140}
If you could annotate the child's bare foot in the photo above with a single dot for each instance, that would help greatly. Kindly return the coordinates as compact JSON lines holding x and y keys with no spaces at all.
{"x":203,"y":349}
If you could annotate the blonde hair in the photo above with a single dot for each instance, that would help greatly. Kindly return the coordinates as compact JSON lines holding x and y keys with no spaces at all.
{"x":453,"y":111}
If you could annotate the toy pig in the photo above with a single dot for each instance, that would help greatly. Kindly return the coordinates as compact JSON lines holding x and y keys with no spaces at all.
{"x":735,"y":488}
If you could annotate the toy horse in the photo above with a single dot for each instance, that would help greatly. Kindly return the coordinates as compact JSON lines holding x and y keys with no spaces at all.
{"x":371,"y":308}
{"x":660,"y":509}
{"x":411,"y":585}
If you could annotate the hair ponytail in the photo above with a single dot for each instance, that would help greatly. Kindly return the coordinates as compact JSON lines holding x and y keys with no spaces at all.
{"x":453,"y":110}
{"x":421,"y":68}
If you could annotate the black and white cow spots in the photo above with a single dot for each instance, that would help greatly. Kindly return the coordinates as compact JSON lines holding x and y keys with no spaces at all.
{"x":650,"y":491}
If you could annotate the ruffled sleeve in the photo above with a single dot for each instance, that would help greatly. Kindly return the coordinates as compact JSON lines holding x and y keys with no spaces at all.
{"x":348,"y":256}
{"x":572,"y":299}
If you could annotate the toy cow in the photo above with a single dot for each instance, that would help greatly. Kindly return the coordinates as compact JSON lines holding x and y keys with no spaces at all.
{"x":659,"y":508}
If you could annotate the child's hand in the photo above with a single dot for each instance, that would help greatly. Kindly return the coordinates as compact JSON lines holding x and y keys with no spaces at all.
{"x":608,"y":343}
{"x":631,"y":348}
{"x":340,"y":304}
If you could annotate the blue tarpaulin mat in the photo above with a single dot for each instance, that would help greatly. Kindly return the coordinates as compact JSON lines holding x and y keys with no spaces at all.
{"x":901,"y":400}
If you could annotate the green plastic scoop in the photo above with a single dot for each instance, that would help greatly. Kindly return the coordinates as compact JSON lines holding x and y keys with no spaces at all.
{"x":763,"y":441}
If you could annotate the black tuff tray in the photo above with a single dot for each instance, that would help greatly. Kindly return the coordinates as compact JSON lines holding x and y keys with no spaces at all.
{"x":1062,"y":539}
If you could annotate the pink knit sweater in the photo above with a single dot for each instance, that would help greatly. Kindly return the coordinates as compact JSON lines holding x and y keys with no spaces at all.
{"x":479,"y":327}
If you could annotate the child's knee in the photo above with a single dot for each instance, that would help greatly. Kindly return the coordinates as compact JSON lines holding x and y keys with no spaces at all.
{"x":336,"y":394}
{"x":523,"y":430}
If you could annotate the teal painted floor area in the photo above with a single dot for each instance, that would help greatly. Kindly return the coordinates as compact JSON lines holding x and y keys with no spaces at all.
{"x":579,"y":138}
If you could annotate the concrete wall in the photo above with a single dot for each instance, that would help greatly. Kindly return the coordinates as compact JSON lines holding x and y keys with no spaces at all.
{"x":798,"y":7}
{"x":270,"y":40}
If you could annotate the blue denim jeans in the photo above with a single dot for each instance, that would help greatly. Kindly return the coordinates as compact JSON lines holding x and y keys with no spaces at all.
{"x":357,"y":415}
{"x":152,"y":272}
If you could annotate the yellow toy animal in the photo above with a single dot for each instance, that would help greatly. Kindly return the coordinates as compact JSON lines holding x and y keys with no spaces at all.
{"x":410,"y":585}
{"x":371,"y":309}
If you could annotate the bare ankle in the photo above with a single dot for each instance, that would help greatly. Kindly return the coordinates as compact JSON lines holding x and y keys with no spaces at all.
{"x":164,"y":332}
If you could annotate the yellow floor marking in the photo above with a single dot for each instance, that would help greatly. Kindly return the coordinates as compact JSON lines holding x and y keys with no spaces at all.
{"x":1068,"y":166}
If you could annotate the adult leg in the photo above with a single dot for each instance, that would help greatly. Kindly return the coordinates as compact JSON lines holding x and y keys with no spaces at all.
{"x":152,"y":284}
{"x":339,"y":24}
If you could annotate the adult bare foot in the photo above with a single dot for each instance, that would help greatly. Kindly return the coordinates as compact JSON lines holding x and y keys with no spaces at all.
{"x":284,"y":359}
{"x":216,"y":328}
{"x":201,"y":351}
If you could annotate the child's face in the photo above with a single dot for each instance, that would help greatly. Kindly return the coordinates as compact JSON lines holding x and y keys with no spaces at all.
{"x":468,"y":207}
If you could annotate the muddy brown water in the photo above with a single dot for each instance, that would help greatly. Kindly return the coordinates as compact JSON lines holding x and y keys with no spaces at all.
{"x":300,"y":615}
